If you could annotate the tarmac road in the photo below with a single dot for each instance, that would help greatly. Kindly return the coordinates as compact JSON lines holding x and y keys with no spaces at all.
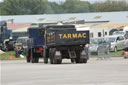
{"x":95,"y":72}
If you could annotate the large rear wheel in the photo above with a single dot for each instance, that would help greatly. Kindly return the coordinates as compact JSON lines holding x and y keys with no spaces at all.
{"x":36,"y":59}
{"x":78,"y":59}
{"x":51,"y":56}
{"x":85,"y":60}
{"x":45,"y":55}
{"x":53,"y":60}
{"x":72,"y":60}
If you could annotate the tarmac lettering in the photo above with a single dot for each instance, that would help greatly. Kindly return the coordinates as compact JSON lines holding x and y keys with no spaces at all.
{"x":73,"y":35}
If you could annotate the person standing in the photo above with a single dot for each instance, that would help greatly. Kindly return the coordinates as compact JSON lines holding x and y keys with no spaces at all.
{"x":126,"y":43}
{"x":87,"y":50}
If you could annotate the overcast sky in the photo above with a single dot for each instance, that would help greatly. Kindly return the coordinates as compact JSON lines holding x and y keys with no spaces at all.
{"x":1,"y":0}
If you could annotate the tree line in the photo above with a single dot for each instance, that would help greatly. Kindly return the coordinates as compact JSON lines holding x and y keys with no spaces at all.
{"x":23,"y":7}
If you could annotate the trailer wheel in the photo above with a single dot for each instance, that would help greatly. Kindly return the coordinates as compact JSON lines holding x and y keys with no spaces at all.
{"x":45,"y":60}
{"x":36,"y":59}
{"x":52,"y":57}
{"x":58,"y":61}
{"x":33,"y":60}
{"x":78,"y":59}
{"x":72,"y":60}
{"x":45,"y":55}
{"x":85,"y":60}
{"x":27,"y":59}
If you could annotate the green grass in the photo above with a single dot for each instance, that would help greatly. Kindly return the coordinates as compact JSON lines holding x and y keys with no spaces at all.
{"x":114,"y":54}
{"x":6,"y":56}
{"x":118,"y":53}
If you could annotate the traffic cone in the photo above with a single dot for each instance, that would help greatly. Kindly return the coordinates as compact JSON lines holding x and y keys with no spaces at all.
{"x":11,"y":57}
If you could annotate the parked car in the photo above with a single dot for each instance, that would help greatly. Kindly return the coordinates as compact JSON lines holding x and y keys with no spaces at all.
{"x":117,"y":42}
{"x":8,"y":44}
{"x":118,"y":33}
{"x":99,"y":46}
{"x":20,"y":45}
{"x":23,"y":41}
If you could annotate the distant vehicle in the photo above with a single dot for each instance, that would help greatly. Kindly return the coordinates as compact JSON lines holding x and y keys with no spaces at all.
{"x":117,"y":42}
{"x":8,"y":44}
{"x":20,"y":45}
{"x":3,"y":31}
{"x":6,"y":41}
{"x":99,"y":46}
{"x":118,"y":33}
{"x":23,"y":41}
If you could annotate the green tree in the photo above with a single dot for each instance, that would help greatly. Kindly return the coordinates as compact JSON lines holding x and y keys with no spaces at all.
{"x":57,"y":8}
{"x":1,"y":7}
{"x":109,"y":6}
{"x":18,"y":7}
{"x":76,"y":6}
{"x":21,"y":7}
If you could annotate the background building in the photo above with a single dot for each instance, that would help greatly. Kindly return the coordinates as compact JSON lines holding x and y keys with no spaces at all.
{"x":100,"y":24}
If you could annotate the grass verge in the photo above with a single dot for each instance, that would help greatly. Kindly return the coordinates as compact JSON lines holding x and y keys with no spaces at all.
{"x":6,"y":56}
{"x":112,"y":54}
{"x":118,"y":53}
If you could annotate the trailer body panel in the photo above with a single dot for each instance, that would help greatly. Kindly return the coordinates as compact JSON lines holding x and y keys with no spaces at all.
{"x":66,"y":36}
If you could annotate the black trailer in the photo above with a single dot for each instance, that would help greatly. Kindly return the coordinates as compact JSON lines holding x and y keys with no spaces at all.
{"x":64,"y":41}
